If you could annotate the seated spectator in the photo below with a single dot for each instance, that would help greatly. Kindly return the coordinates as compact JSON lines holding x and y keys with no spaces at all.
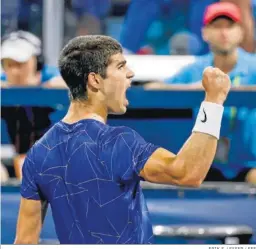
{"x":184,"y":14}
{"x":159,"y":20}
{"x":24,"y":66}
{"x":184,"y":43}
{"x":223,"y":32}
{"x":91,"y":15}
{"x":23,"y":63}
{"x":247,"y":21}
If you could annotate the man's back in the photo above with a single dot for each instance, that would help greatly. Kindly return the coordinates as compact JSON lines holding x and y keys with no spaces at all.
{"x":89,"y":173}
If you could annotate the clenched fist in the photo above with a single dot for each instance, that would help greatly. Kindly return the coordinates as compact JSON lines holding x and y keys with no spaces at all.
{"x":216,"y":84}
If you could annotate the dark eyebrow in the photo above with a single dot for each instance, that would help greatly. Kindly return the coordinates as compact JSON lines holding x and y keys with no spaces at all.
{"x":121,"y":63}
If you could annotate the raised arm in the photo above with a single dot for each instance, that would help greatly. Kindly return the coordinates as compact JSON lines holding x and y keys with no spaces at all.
{"x":190,"y":166}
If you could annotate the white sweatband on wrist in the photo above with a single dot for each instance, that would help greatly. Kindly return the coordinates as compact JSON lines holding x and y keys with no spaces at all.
{"x":209,"y":119}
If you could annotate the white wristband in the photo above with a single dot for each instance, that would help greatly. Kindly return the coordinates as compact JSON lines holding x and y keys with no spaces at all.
{"x":209,"y":119}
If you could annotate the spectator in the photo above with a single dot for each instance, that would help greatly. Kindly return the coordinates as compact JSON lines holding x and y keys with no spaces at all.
{"x":247,"y":21}
{"x":223,"y":33}
{"x":91,"y":15}
{"x":184,"y":43}
{"x":22,"y":15}
{"x":135,"y":26}
{"x":24,"y":66}
{"x":23,"y":62}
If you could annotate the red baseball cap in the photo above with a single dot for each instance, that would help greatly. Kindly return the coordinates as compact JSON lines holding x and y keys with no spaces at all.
{"x":222,"y":9}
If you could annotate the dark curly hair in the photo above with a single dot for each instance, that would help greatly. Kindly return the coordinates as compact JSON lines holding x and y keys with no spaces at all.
{"x":83,"y":55}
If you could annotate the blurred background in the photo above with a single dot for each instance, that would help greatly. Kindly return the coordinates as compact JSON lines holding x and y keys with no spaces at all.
{"x":167,"y":43}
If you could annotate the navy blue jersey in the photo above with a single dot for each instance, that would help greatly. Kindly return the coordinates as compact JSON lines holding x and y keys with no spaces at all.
{"x":89,"y":173}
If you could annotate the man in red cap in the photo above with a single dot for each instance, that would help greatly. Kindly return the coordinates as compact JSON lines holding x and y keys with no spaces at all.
{"x":247,"y":19}
{"x":236,"y":156}
{"x":248,"y":23}
{"x":223,"y":32}
{"x":135,"y":26}
{"x":221,"y":9}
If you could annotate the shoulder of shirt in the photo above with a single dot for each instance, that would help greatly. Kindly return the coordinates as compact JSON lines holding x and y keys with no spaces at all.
{"x":247,"y":61}
{"x":200,"y":62}
{"x":118,"y":130}
{"x":49,"y":72}
{"x":122,"y":135}
{"x":48,"y":68}
{"x":191,"y":72}
{"x":42,"y":141}
{"x":246,"y":57}
{"x":204,"y":60}
{"x":198,"y":65}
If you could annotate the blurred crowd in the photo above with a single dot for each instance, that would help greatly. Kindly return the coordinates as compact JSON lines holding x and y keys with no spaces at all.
{"x":219,"y":33}
{"x":142,"y":26}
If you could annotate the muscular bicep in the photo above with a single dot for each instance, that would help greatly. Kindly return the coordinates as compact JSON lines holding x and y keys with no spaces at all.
{"x":188,"y":168}
{"x":29,"y":221}
{"x":162,"y":167}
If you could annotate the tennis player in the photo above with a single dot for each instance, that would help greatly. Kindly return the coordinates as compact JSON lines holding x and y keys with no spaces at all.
{"x":90,"y":172}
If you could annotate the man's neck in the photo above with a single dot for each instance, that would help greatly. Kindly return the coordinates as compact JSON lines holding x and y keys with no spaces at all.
{"x":227,"y":62}
{"x":79,"y":110}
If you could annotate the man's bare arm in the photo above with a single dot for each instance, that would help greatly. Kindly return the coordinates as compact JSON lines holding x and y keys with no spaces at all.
{"x":190,"y":166}
{"x":29,"y":221}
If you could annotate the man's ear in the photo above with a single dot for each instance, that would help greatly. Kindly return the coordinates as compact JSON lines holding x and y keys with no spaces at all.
{"x":93,"y":81}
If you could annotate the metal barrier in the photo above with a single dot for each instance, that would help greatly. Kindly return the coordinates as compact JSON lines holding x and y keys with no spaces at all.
{"x":226,"y":234}
{"x":151,"y":99}
{"x":220,"y":187}
{"x":233,"y":234}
